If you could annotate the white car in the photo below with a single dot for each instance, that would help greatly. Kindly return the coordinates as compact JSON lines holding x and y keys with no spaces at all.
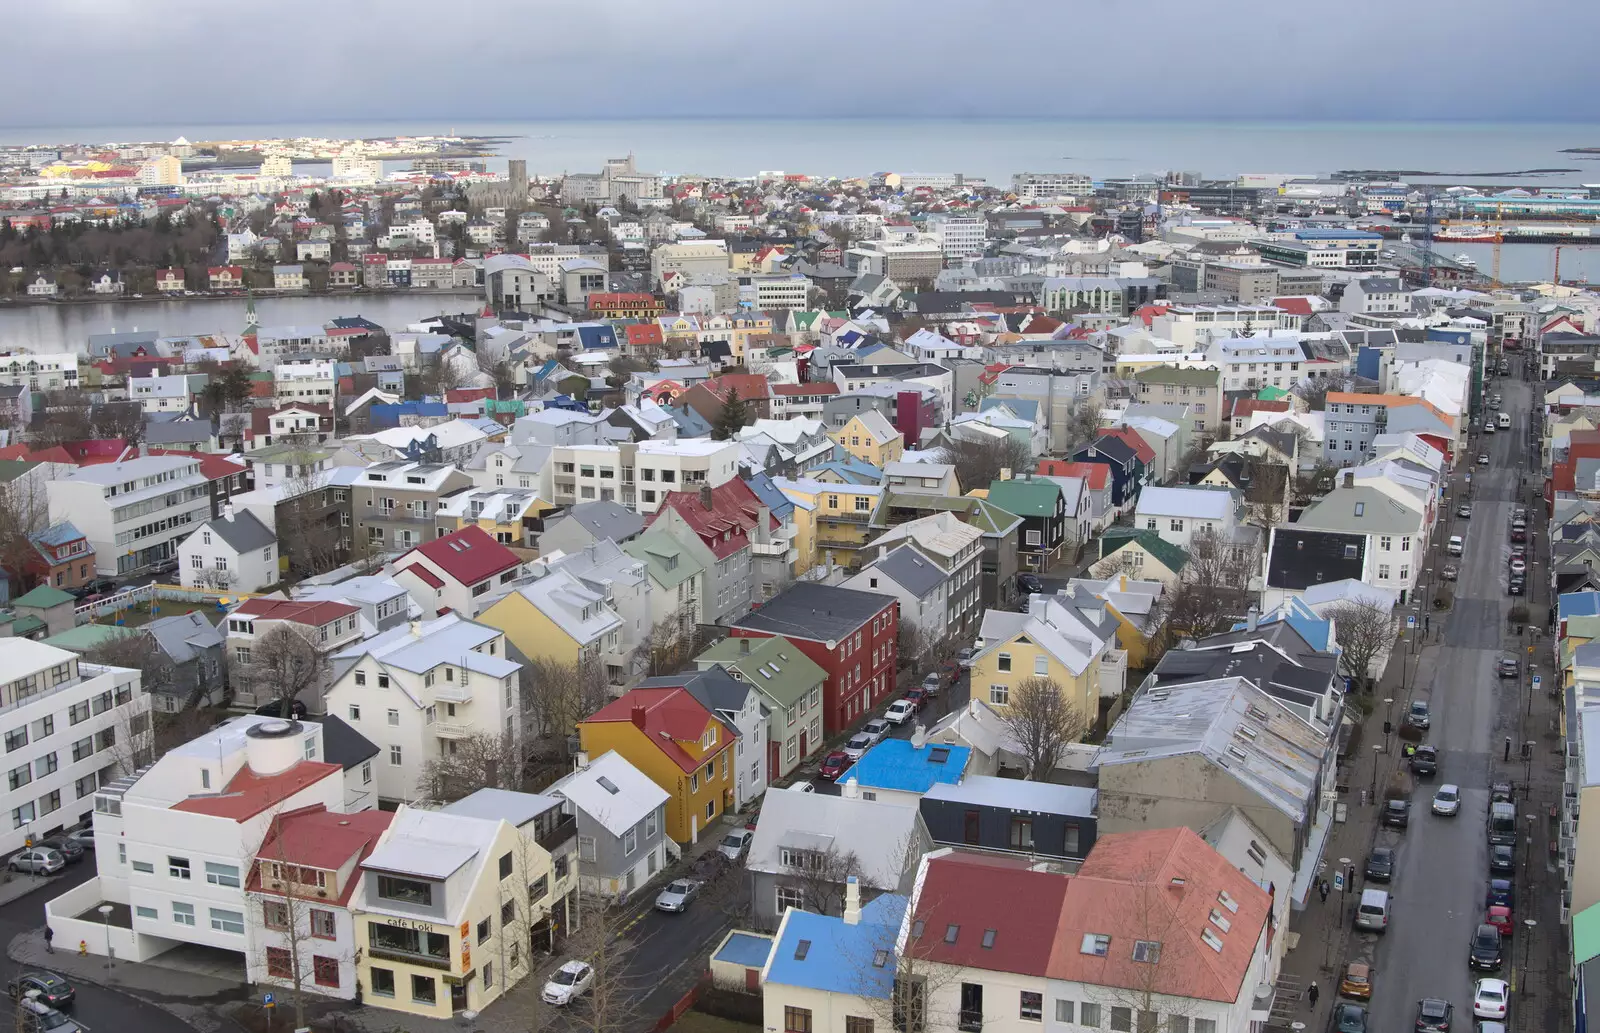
{"x":1519,"y":566}
{"x":1447,"y":801}
{"x":1489,"y":999}
{"x":735,"y":844}
{"x":878,"y":728}
{"x":1455,"y":545}
{"x":1483,"y":458}
{"x":801,"y":787}
{"x":569,"y":982}
{"x":900,"y":711}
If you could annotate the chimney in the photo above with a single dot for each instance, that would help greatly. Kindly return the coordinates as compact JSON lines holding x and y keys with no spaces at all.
{"x":919,"y":736}
{"x":851,"y":790}
{"x":744,"y":646}
{"x":1252,"y":618}
{"x":705,"y":495}
{"x":852,"y":901}
{"x":416,"y":629}
{"x":227,"y":511}
{"x":638,"y":717}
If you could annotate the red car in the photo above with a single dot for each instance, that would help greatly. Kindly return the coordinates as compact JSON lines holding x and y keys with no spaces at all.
{"x":1499,"y":916}
{"x":917,"y":698}
{"x":835,"y":764}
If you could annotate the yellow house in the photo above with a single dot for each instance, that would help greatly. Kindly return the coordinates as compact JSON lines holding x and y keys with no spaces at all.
{"x":1133,"y":603}
{"x":1069,"y":638}
{"x":870,"y":437}
{"x":555,"y":619}
{"x":448,"y":907}
{"x":840,"y":518}
{"x":511,"y":516}
{"x":680,"y":745}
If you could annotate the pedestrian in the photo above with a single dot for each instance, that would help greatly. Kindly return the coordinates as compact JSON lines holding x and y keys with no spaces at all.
{"x":49,"y":940}
{"x":1311,"y":994}
{"x":1322,"y":888}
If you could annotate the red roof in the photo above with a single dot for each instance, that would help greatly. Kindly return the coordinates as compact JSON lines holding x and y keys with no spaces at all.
{"x":247,"y":794}
{"x":751,"y":386}
{"x":237,"y":271}
{"x":468,"y":555}
{"x":670,"y":716}
{"x":1246,"y":406}
{"x":962,"y":896}
{"x":725,"y":527}
{"x":621,"y":300}
{"x":1293,"y":306}
{"x":427,"y":576}
{"x":1095,"y":475}
{"x":814,"y":387}
{"x":642,"y":335}
{"x":1132,"y":439}
{"x":1147,"y":313}
{"x":213,"y":465}
{"x":468,"y":394}
{"x":312,"y":615}
{"x":316,"y":837}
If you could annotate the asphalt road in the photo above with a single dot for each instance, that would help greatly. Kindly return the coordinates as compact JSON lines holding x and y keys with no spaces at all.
{"x":101,"y":1010}
{"x":1442,"y":864}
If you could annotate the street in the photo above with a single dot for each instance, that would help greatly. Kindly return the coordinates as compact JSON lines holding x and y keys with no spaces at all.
{"x":1441,"y":873}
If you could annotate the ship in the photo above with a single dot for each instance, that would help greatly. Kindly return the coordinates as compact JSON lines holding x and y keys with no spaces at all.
{"x":1466,"y":260}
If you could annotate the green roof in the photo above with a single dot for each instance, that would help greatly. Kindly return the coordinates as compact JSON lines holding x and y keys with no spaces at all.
{"x":22,"y":626}
{"x":1271,"y":394}
{"x":658,"y":549}
{"x":87,"y":636}
{"x":1586,"y":934}
{"x":43,"y":597}
{"x":11,"y":469}
{"x":979,"y":513}
{"x":775,"y":666}
{"x":1171,"y":556}
{"x":1178,"y":375}
{"x":1026,"y":498}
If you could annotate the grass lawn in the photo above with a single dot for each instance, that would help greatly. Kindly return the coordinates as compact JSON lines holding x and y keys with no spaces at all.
{"x":139,"y":613}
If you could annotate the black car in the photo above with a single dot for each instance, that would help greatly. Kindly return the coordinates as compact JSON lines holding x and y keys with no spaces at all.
{"x":1397,"y":813}
{"x":94,"y":586}
{"x":1502,"y":858}
{"x":1507,"y":667}
{"x":1485,"y":950}
{"x":1516,"y":586}
{"x":1029,"y":583}
{"x":1425,"y":762}
{"x":1501,"y":891}
{"x":53,"y":990}
{"x":1349,"y":1018}
{"x":1380,"y":864}
{"x":1433,"y":1015}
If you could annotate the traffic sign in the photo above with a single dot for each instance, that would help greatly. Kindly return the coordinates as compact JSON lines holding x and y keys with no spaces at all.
{"x":267,"y":1000}
{"x":1338,"y":880}
{"x":1536,"y":681}
{"x":1411,"y":621}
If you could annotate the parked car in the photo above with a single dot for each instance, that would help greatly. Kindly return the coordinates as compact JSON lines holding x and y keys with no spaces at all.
{"x":1485,"y":950}
{"x":677,"y":895}
{"x":1425,"y":762}
{"x":878,"y":728}
{"x":44,"y":1019}
{"x":1397,"y":813}
{"x":1380,"y":864}
{"x":1499,"y":916}
{"x":917,"y":698}
{"x":52,"y":989}
{"x":900,"y":711}
{"x":736,"y":844}
{"x":1357,"y":981}
{"x":84,"y":837}
{"x":1518,"y":567}
{"x":802,"y":786}
{"x":568,"y":983}
{"x":39,"y":860}
{"x":1029,"y":583}
{"x":930,"y":684}
{"x":1447,"y":801}
{"x":1455,"y":545}
{"x":1507,"y":667}
{"x":964,"y":656}
{"x":858,"y":745}
{"x":94,"y":586}
{"x":1349,"y":1018}
{"x":835,"y":764}
{"x":1517,"y":585}
{"x":1418,"y":714}
{"x":1502,"y":857}
{"x":1433,"y":1015}
{"x":1501,"y":891}
{"x":70,"y":848}
{"x":1464,"y":511}
{"x":1490,"y":999}
{"x":1450,"y":572}
{"x":1500,"y":792}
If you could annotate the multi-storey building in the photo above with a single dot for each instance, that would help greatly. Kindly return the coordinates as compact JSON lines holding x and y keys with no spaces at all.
{"x":639,"y":475}
{"x":133,"y":512}
{"x":39,"y":372}
{"x":395,"y":505}
{"x":327,"y":626}
{"x":959,"y":236}
{"x":305,"y":380}
{"x":1034,"y":186}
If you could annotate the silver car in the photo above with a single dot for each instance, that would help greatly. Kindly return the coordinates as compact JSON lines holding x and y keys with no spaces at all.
{"x":735,"y":845}
{"x":1447,"y":801}
{"x":677,"y":895}
{"x":39,"y":860}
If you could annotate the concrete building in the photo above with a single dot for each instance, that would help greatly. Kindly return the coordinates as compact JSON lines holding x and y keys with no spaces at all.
{"x":134,"y":512}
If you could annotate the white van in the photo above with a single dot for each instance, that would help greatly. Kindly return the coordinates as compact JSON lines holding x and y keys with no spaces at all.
{"x":1455,"y":545}
{"x":1505,"y":421}
{"x":1373,"y":912}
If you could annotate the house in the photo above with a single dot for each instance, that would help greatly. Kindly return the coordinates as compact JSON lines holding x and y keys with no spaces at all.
{"x":395,"y":504}
{"x":117,"y":504}
{"x":234,"y":552}
{"x":1000,"y":532}
{"x":1097,"y":507}
{"x":621,"y":819}
{"x":1198,"y":388}
{"x":587,"y":522}
{"x":738,"y":704}
{"x":901,"y":770}
{"x":1006,"y":816}
{"x":1178,"y":514}
{"x":328,"y":626}
{"x":383,"y":603}
{"x":455,"y":572}
{"x":558,"y":619}
{"x":869,"y":437}
{"x":933,"y":603}
{"x":800,"y":839}
{"x":170,"y":281}
{"x":226,"y":277}
{"x":420,"y":691}
{"x":1045,"y":521}
{"x":851,"y":635}
{"x":289,"y":277}
{"x":683,"y":747}
{"x":954,"y":548}
{"x":1394,"y":522}
{"x":550,"y":859}
{"x":1128,"y":471}
{"x":195,"y":652}
{"x":832,"y":974}
{"x":727,"y":523}
{"x":790,"y":687}
{"x":65,"y":557}
{"x":1069,"y":638}
{"x":833,"y":520}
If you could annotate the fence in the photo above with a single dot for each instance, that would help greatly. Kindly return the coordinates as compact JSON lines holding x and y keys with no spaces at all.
{"x":130,"y":597}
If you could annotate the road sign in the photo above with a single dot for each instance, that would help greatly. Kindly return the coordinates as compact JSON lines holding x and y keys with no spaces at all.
{"x":1536,"y":681}
{"x":1411,"y":621}
{"x":267,"y":1000}
{"x":1338,"y":881}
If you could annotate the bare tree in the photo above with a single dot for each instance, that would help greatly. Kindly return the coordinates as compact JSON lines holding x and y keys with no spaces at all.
{"x":138,"y":651}
{"x":1211,"y":588}
{"x":1078,"y":427}
{"x":1043,"y":722}
{"x":1266,"y":493}
{"x":24,"y":511}
{"x":1152,"y":933}
{"x":978,"y":463}
{"x":286,"y":911}
{"x":482,"y":759}
{"x":1365,"y":631}
{"x":284,"y":663}
{"x":556,"y":696}
{"x":821,"y":876}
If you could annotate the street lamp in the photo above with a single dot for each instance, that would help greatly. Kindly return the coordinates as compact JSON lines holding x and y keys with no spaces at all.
{"x":105,"y":920}
{"x":1377,"y":748}
{"x":1388,"y":715}
{"x":1530,"y":923}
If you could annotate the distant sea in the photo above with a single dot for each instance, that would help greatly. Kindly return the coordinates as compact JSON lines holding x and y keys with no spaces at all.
{"x":988,"y":148}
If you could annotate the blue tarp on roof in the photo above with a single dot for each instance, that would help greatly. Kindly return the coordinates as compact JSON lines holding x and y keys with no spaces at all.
{"x":388,"y":414}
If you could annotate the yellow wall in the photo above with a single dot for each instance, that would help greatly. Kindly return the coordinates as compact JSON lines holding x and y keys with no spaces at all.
{"x":855,"y":439}
{"x":536,"y":635}
{"x":686,"y":807}
{"x":1082,"y":692}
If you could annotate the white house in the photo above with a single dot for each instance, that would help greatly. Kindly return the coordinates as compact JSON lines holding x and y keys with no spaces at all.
{"x":457,"y":572}
{"x":234,"y":551}
{"x":326,"y":624}
{"x":305,"y":380}
{"x":420,"y":689}
{"x":1177,"y":513}
{"x":160,"y":394}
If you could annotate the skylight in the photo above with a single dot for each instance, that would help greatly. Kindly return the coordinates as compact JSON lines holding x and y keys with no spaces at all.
{"x":988,"y":939}
{"x":1147,"y":951}
{"x":939,"y":754}
{"x":801,"y":949}
{"x":1211,"y":940}
{"x":951,"y":932}
{"x":608,"y":785}
{"x":1097,"y":944}
{"x":1228,"y":902}
{"x":1219,"y":921}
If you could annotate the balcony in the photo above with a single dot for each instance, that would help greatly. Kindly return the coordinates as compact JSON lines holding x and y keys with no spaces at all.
{"x":769,"y":548}
{"x":409,"y":958}
{"x":553,"y":838}
{"x":853,"y":516}
{"x":452,"y":692}
{"x":452,"y":730}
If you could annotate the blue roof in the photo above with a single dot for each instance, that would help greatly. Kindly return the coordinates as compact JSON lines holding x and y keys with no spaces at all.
{"x":1336,"y":235}
{"x":770,"y":495}
{"x":839,"y":958}
{"x":1579,"y":604}
{"x":896,"y":764}
{"x":853,"y":470}
{"x":747,"y":949}
{"x":1304,"y":620}
{"x":599,"y":336}
{"x":58,"y":534}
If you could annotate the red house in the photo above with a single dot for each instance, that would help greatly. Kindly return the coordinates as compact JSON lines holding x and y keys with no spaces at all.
{"x":853,"y":636}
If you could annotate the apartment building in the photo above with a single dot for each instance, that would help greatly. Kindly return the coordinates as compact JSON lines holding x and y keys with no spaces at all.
{"x":959,"y":236}
{"x":396,"y":505}
{"x":781,"y":292}
{"x":134,"y":512}
{"x":306,"y":381}
{"x":49,"y":371}
{"x":1251,"y":363}
{"x":689,"y":262}
{"x":327,"y":626}
{"x":640,"y":475}
{"x":417,"y":691}
{"x":1035,"y":186}
{"x":158,"y":394}
{"x":1193,"y":327}
{"x":70,"y":727}
{"x":1200,"y":389}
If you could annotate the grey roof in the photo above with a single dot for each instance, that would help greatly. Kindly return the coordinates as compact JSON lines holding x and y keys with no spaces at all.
{"x":1017,"y":795}
{"x":1381,"y":284}
{"x":1236,"y":727}
{"x":165,"y":432}
{"x":242,"y":533}
{"x":820,"y":613}
{"x":342,"y":744}
{"x":875,"y":831}
{"x":606,"y":520}
{"x":911,"y":570}
{"x":714,"y":688}
{"x":495,"y":804}
{"x":184,"y":636}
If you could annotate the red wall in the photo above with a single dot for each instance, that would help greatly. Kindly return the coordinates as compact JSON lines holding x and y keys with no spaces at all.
{"x":842,"y":704}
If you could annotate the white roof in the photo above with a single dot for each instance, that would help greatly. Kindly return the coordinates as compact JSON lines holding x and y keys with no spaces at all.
{"x":877,"y":424}
{"x":420,"y":646}
{"x":564,"y":599}
{"x":131,"y":469}
{"x":432,"y":844}
{"x":684,"y":447}
{"x":451,"y":434}
{"x":1198,"y":503}
{"x":612,"y":792}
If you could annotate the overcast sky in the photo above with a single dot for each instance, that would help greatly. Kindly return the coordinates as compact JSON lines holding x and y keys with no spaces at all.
{"x":104,"y":62}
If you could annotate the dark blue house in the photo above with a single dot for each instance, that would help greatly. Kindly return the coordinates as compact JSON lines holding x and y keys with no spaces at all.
{"x":1008,"y":815}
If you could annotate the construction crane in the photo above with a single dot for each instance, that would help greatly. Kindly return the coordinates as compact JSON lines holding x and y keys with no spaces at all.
{"x":1556,"y":277}
{"x":1425,"y":252}
{"x":1499,"y":237}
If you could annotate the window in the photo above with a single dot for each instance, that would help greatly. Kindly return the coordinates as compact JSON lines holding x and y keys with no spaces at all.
{"x":1003,"y":662}
{"x":1147,"y":951}
{"x":1383,"y":571}
{"x":1000,"y":695}
{"x":146,"y":912}
{"x":1064,"y":1011}
{"x":406,"y":891}
{"x":279,"y":963}
{"x":20,"y":816}
{"x":1021,"y":834}
{"x":183,"y":914}
{"x":1177,"y":1024}
{"x":322,"y":924}
{"x":382,"y":982}
{"x":857,"y":1024}
{"x":485,"y":929}
{"x":326,"y":970}
{"x":178,"y":867}
{"x":508,"y":913}
{"x":355,"y":712}
{"x":423,"y":990}
{"x":1041,"y":666}
{"x":275,"y":914}
{"x":1032,"y":1006}
{"x":797,"y":1020}
{"x":1097,"y":944}
{"x":1177,"y":525}
{"x":1030,"y":538}
{"x":790,"y":897}
{"x":222,"y":874}
{"x":20,"y":776}
{"x":1121,"y":1019}
{"x":1385,"y":542}
{"x":585,"y":848}
{"x":144,"y":866}
{"x":1089,"y":1015}
{"x":395,"y":754}
{"x":51,"y":802}
{"x":630,"y":841}
{"x":1070,"y":846}
{"x":1205,"y":1026}
{"x":17,"y":738}
{"x":225,"y":921}
{"x":366,"y":773}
